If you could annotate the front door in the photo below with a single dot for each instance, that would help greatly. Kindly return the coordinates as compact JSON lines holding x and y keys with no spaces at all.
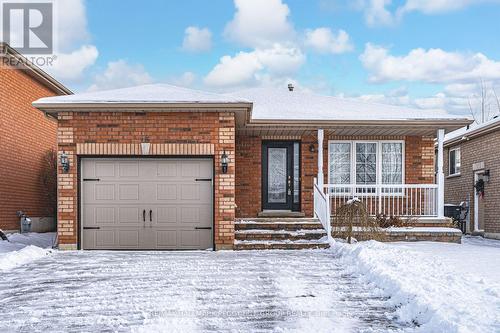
{"x":281,"y":175}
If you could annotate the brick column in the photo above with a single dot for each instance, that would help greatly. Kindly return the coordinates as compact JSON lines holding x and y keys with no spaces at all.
{"x":66,"y":186}
{"x":225,"y":184}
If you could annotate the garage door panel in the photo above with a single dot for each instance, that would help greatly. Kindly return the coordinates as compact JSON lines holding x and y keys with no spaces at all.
{"x":105,"y":169}
{"x":128,"y":169}
{"x":104,"y":192}
{"x":166,"y":215}
{"x":128,"y":238}
{"x":129,"y":215}
{"x":167,"y":169}
{"x":128,"y":192}
{"x":115,"y":203}
{"x":104,"y":215}
{"x":105,"y":238}
{"x":166,"y":192}
{"x":166,"y":238}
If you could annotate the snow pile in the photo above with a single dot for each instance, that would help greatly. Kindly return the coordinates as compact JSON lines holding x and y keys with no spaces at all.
{"x":441,"y":287}
{"x":24,"y":248}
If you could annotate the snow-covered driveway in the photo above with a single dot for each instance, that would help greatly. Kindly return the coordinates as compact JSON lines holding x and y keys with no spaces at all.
{"x":303,"y":291}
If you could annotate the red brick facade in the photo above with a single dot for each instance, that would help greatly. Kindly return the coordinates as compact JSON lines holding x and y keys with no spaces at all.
{"x":192,"y":130}
{"x":419,"y":167}
{"x":26,"y":135}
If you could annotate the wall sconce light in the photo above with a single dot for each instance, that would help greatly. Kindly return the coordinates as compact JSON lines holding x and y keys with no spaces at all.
{"x":64,"y":162}
{"x":224,"y":161}
{"x":311,"y":148}
{"x":486,"y":176}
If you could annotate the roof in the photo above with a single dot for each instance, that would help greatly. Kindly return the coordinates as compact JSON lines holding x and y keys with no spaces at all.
{"x":145,"y":94}
{"x":32,"y":70}
{"x":472,"y":130}
{"x":281,"y":104}
{"x":264,"y":107}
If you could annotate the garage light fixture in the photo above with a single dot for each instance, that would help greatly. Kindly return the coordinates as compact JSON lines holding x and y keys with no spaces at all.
{"x":64,"y":162}
{"x":224,"y":161}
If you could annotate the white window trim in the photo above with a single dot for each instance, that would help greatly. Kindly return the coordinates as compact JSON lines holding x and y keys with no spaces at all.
{"x":449,"y":160}
{"x":379,"y":158}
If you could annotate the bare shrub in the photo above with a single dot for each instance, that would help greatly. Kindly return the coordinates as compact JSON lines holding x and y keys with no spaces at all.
{"x":352,"y":220}
{"x":48,"y":181}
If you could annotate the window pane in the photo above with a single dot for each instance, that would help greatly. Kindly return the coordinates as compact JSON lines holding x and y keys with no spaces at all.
{"x":366,"y":163}
{"x":276,"y":177}
{"x":392,"y":163}
{"x":296,"y":173}
{"x":457,"y":161}
{"x":340,"y":163}
{"x":452,"y":162}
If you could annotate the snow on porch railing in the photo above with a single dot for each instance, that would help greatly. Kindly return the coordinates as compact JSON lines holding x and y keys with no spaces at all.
{"x":390,"y":200}
{"x":322,"y":208}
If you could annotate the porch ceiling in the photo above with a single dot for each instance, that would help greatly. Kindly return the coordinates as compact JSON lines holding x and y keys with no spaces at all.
{"x":360,"y":129}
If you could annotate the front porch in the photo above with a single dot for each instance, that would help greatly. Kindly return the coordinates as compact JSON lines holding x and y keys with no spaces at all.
{"x":396,"y":181}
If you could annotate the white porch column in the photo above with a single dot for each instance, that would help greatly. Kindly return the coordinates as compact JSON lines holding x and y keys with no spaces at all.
{"x":321,"y":178}
{"x":440,"y":173}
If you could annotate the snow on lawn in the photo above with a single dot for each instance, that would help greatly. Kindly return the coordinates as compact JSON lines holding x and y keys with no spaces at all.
{"x":442,"y":287}
{"x":24,"y":248}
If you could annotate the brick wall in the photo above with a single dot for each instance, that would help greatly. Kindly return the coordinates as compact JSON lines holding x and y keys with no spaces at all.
{"x":121,"y":128}
{"x":485,"y":149}
{"x":419,"y":167}
{"x":26,"y":134}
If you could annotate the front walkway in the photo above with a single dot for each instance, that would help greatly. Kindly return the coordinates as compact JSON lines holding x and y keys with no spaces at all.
{"x":303,"y":291}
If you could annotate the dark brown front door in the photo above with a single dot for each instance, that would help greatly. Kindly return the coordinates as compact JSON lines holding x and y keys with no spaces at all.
{"x":281,"y":175}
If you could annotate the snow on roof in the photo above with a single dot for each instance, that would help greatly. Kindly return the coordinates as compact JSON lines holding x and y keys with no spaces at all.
{"x":268,"y":103}
{"x":150,"y":93}
{"x":280,"y":104}
{"x":472,"y":128}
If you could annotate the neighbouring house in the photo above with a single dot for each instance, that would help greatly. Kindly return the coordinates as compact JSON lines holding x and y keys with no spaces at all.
{"x":163,"y":167}
{"x":472,"y":167}
{"x":26,"y":135}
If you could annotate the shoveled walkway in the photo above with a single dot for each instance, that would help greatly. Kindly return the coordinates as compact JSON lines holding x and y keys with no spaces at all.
{"x":250,"y":291}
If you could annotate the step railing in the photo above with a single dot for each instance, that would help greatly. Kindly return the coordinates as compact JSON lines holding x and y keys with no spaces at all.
{"x":322,"y":208}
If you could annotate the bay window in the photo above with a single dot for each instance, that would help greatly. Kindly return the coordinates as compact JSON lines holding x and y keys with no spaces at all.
{"x":366,"y":163}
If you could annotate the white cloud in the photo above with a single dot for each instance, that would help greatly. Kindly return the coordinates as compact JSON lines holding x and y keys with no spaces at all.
{"x":70,"y":66}
{"x":197,"y":39}
{"x":376,"y":13}
{"x":324,"y":40}
{"x":249,"y":68}
{"x":383,"y":12}
{"x":120,"y":74}
{"x":71,"y":24}
{"x":185,"y":80}
{"x":259,"y":23}
{"x":433,"y":66}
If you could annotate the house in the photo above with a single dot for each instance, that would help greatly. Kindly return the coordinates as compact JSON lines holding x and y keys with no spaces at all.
{"x":472,"y":166}
{"x":163,"y":167}
{"x":25,"y":137}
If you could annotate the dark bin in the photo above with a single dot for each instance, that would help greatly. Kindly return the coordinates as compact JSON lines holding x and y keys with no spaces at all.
{"x":452,"y":211}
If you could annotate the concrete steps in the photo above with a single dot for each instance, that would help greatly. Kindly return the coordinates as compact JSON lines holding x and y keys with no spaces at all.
{"x":279,"y":233}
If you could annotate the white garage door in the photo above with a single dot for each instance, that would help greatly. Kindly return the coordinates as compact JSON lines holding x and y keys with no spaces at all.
{"x":146,"y":203}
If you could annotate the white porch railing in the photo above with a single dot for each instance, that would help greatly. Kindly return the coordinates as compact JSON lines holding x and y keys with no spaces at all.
{"x":322,"y":208}
{"x":390,"y":200}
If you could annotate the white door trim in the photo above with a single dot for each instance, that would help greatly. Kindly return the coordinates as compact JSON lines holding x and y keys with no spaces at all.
{"x":476,"y":201}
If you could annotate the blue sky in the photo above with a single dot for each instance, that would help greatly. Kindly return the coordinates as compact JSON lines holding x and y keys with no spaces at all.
{"x":422,"y":53}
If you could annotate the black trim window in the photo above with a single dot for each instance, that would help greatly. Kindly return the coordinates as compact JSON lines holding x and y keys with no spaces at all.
{"x":454,"y":161}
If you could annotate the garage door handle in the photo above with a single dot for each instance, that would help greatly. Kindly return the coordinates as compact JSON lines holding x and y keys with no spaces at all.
{"x":202,"y":228}
{"x":150,"y":215}
{"x":91,"y":228}
{"x":91,"y":179}
{"x":203,"y":179}
{"x":143,"y":215}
